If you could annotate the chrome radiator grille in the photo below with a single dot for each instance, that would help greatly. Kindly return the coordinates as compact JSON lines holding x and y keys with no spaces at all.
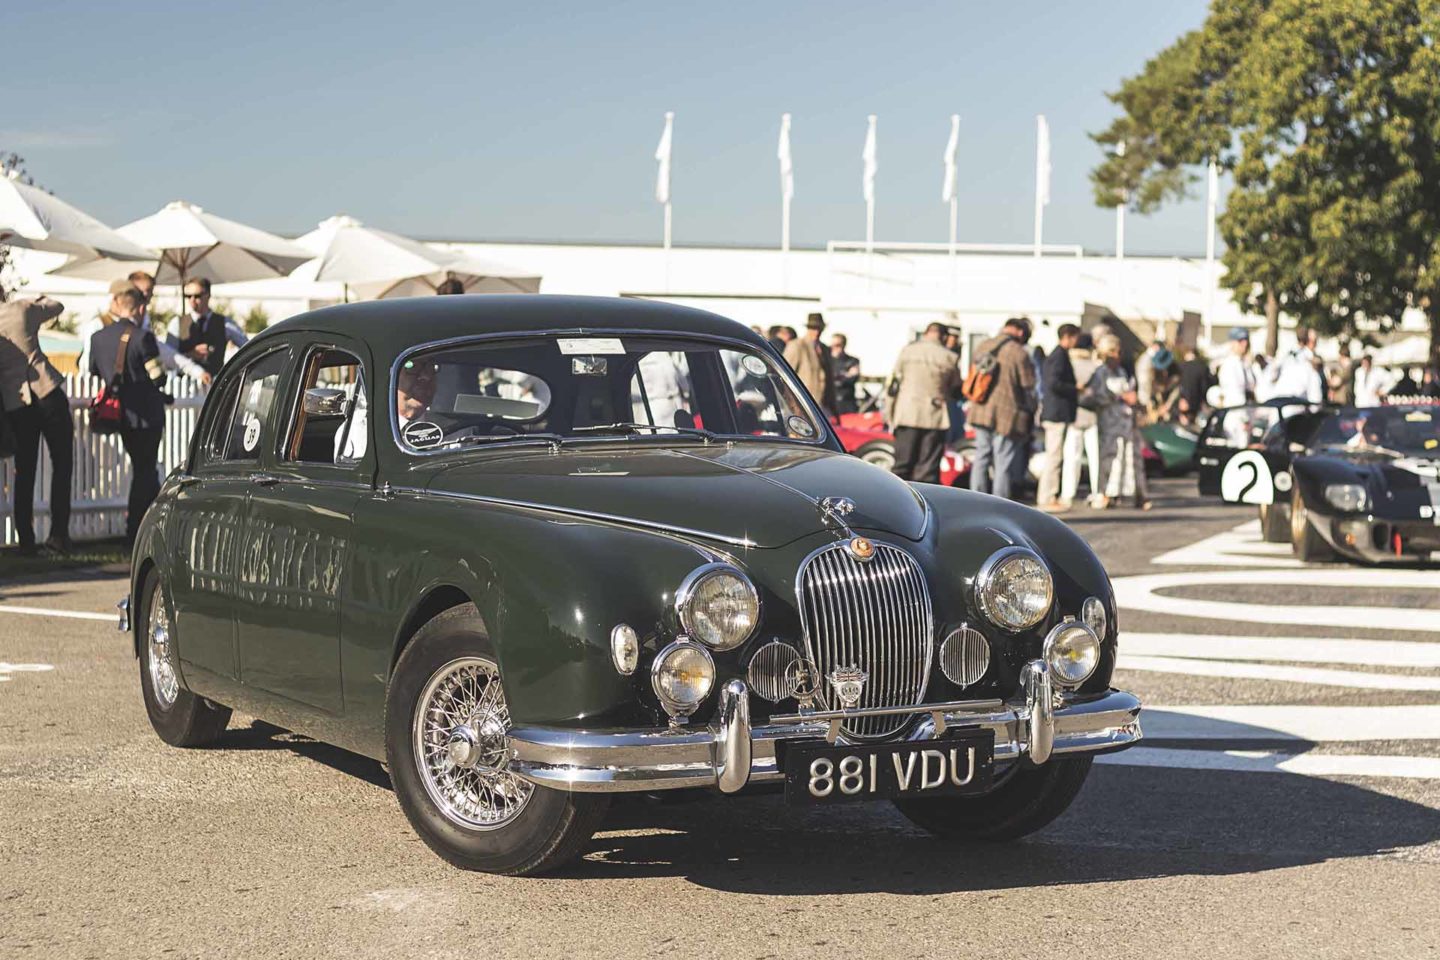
{"x":874,"y":614}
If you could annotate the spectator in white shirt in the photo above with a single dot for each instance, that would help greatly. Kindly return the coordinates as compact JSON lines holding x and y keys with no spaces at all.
{"x":1371,"y":383}
{"x":1295,"y":373}
{"x":1237,"y":378}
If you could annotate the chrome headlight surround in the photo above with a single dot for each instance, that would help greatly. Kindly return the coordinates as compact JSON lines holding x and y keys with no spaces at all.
{"x":1348,"y":497}
{"x":1072,"y":651}
{"x":664,"y":681}
{"x":992,"y":579}
{"x":696,"y":620}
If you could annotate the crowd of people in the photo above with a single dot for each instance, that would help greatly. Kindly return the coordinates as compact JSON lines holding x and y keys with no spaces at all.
{"x":132,"y":355}
{"x":1087,"y":400}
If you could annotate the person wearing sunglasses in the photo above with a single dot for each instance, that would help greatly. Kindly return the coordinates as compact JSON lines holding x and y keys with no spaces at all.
{"x":205,"y":334}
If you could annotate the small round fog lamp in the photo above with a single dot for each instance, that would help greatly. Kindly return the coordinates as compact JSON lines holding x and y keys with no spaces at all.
{"x":1073,"y":652}
{"x":683,"y":675}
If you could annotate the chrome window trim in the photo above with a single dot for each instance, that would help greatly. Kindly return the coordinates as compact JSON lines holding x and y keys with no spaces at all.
{"x":299,"y":398}
{"x":786,"y":374}
{"x":686,"y":593}
{"x":986,"y":575}
{"x":285,"y":346}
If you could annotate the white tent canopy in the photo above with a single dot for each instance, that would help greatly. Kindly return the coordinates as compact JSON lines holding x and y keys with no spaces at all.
{"x":376,"y":264}
{"x":32,"y":218}
{"x":194,"y":243}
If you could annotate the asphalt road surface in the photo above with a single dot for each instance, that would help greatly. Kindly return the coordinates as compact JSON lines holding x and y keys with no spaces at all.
{"x":1286,"y":803}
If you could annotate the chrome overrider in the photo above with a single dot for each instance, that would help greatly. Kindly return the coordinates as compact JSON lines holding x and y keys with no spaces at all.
{"x":731,"y":753}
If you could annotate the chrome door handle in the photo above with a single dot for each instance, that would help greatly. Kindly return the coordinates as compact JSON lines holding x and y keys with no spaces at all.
{"x":264,"y":480}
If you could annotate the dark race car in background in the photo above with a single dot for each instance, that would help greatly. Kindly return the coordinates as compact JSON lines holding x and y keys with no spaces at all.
{"x":1363,"y":483}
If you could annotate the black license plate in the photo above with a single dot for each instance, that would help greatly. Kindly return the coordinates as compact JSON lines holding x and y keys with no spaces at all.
{"x":817,"y":772}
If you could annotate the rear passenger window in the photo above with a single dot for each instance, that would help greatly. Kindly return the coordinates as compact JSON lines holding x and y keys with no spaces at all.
{"x":329,"y":423}
{"x":253,"y":406}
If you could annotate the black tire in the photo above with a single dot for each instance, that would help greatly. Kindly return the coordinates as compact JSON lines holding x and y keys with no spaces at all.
{"x":549,"y":829}
{"x":187,"y":720}
{"x":879,"y":452}
{"x":1306,"y":542}
{"x":1029,"y":800}
{"x":1275,"y":522}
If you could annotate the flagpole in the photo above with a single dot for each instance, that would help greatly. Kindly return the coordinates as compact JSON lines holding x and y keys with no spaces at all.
{"x":947,"y":190}
{"x":1042,"y":176}
{"x":1212,"y":188}
{"x":787,"y":191}
{"x":869,"y":156}
{"x":662,"y":185}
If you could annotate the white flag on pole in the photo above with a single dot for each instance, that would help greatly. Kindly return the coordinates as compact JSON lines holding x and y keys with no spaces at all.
{"x":1042,"y":161}
{"x":871,"y":164}
{"x":787,"y":162}
{"x":662,"y":157}
{"x":947,"y":190}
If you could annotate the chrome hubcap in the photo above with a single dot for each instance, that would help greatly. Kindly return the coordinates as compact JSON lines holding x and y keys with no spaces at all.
{"x":461,"y":749}
{"x":163,"y":679}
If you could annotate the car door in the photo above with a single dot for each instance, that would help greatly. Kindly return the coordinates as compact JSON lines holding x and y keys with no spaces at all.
{"x":298,"y":528}
{"x":206,"y":520}
{"x":1226,"y":433}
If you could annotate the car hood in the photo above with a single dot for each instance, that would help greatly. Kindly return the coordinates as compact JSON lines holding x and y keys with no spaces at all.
{"x":760,"y":494}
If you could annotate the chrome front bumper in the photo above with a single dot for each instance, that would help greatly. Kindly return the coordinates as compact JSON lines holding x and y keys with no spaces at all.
{"x":731,"y":753}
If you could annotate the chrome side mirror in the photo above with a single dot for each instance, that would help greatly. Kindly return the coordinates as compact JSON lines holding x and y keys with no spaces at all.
{"x":325,"y":402}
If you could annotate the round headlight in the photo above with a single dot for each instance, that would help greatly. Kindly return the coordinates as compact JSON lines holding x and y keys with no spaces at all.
{"x":718,"y":605}
{"x":1092,"y":611}
{"x":1073,"y":651}
{"x":624,"y":648}
{"x":1014,"y":589}
{"x":683,"y":675}
{"x":1349,"y":497}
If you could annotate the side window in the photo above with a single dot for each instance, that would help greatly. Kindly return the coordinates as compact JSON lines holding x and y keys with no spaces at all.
{"x":253,"y":405}
{"x":330,"y":422}
{"x":217,"y":429}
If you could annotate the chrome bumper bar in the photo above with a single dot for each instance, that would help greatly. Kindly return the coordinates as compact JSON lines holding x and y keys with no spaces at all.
{"x":731,"y":753}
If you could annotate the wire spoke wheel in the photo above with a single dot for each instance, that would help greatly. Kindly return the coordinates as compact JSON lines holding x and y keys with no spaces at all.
{"x":461,"y":748}
{"x":161,"y":655}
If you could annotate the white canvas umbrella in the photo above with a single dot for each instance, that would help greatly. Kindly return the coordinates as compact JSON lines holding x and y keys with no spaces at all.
{"x":377,"y":264}
{"x":193,"y":244}
{"x":32,"y":218}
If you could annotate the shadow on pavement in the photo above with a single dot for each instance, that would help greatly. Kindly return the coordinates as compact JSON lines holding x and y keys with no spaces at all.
{"x":266,"y":736}
{"x":1129,"y":823}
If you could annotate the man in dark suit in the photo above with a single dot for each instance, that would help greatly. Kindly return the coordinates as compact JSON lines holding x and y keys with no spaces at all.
{"x":204,"y":334}
{"x":1058,"y":406}
{"x":128,"y":359}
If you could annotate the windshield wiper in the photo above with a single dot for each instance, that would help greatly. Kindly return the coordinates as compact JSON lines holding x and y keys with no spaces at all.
{"x":706,"y":435}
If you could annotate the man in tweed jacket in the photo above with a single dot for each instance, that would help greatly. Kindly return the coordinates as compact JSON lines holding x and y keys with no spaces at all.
{"x":1004,"y":421}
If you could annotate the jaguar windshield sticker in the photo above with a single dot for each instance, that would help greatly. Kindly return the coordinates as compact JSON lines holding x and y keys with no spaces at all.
{"x":573,"y":346}
{"x":800,"y":426}
{"x":252,"y":434}
{"x":754,"y":366}
{"x":422,"y":433}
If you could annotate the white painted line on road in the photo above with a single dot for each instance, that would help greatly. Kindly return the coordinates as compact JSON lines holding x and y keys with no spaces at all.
{"x":1378,"y":653}
{"x":1316,"y":724}
{"x":8,"y":668}
{"x":1270,"y":671}
{"x":1141,"y":593}
{"x":1241,"y":547}
{"x":1302,"y":764}
{"x":72,"y":614}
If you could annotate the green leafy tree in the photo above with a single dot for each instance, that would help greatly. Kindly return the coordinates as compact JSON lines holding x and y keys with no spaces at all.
{"x":1326,"y":112}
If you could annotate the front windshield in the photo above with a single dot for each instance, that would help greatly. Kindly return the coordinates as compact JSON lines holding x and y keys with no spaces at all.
{"x":568,"y":388}
{"x":1410,"y":431}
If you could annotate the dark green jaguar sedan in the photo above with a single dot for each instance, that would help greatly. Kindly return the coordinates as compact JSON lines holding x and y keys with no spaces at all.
{"x":534,"y":551}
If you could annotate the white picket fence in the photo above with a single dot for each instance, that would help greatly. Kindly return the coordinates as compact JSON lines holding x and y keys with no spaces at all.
{"x":101,"y":483}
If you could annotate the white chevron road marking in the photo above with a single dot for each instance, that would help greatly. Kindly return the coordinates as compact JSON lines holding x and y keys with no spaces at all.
{"x":1142,"y":593}
{"x":1375,"y":653}
{"x":1269,"y":671}
{"x":1259,"y":761}
{"x":1313,"y":724}
{"x":71,"y":614}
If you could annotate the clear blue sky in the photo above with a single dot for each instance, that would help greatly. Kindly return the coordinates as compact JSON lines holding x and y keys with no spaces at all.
{"x":538,"y":121}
